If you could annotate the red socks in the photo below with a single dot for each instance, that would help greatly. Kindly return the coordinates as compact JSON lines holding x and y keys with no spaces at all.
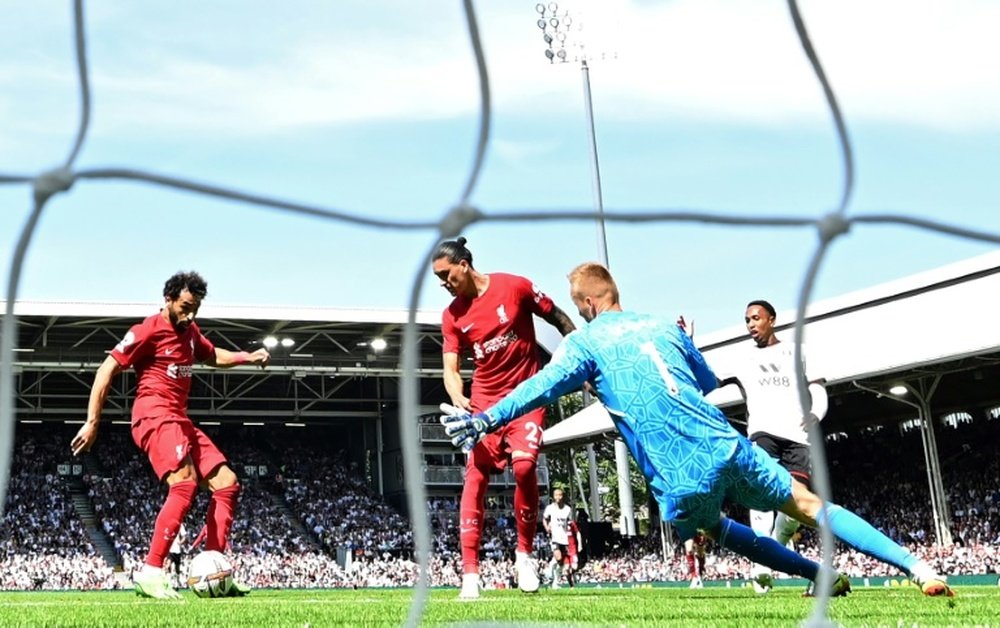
{"x":180,"y":496}
{"x":220,"y":517}
{"x":525,"y":503}
{"x":473,"y":506}
{"x":471,"y":517}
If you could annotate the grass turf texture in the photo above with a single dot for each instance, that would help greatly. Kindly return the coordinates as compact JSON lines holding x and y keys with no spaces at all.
{"x":874,"y":606}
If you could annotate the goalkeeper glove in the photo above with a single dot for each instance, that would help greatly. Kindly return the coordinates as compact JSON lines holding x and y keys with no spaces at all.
{"x":464,"y":429}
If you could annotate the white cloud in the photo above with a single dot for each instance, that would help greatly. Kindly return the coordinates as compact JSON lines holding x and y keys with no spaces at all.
{"x":925,"y":63}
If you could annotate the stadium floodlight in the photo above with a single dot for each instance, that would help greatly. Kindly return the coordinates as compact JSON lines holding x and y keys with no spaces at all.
{"x":270,"y":342}
{"x":563,"y":34}
{"x":899,"y":390}
{"x":379,"y":344}
{"x":563,"y":38}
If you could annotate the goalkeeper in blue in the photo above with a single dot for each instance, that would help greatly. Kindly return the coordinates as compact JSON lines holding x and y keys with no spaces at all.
{"x":653,"y":381}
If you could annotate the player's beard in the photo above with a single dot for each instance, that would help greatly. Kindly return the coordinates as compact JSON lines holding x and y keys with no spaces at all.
{"x":179,"y":325}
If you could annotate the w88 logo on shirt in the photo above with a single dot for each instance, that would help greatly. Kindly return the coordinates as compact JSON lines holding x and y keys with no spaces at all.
{"x":782,"y":381}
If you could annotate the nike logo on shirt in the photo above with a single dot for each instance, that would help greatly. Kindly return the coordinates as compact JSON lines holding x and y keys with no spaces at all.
{"x":466,"y":329}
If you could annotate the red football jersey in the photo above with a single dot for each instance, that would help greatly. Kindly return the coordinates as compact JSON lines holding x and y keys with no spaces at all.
{"x":162,"y":359}
{"x":498,"y":328}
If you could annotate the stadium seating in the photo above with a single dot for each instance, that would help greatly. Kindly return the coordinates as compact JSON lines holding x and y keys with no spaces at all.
{"x":311,"y":503}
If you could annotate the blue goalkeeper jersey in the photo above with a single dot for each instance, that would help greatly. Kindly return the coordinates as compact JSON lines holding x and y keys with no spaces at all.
{"x":653,"y":381}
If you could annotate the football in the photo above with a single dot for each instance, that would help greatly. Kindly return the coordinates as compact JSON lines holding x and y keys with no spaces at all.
{"x":210,"y":575}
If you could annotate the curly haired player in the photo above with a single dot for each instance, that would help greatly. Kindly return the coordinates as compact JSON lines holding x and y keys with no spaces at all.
{"x":163,"y":349}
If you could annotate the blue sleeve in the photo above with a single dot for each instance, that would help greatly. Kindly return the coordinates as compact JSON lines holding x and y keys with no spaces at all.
{"x":707,"y":380}
{"x":570,"y":367}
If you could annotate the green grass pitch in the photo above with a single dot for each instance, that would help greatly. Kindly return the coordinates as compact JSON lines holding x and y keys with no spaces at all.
{"x":876,"y":606}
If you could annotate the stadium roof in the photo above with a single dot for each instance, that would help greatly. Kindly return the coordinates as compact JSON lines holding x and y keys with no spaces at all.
{"x":938,"y":331}
{"x":939,"y":325}
{"x":330,"y":372}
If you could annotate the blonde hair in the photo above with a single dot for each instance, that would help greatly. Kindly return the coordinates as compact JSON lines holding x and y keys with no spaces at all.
{"x":593,"y":280}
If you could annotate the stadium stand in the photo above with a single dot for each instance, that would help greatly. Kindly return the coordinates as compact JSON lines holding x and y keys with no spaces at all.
{"x":43,"y":543}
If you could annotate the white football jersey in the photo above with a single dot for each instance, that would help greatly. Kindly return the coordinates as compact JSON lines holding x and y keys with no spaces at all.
{"x":768,"y":379}
{"x":558,"y":519}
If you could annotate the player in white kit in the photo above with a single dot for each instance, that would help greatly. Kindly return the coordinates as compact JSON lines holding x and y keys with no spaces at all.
{"x":766,"y":374}
{"x":556,"y":518}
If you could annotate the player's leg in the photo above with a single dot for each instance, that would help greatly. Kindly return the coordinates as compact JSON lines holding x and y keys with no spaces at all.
{"x":557,"y":564}
{"x":743,"y":540}
{"x":689,"y":556}
{"x":756,"y":480}
{"x":794,"y":457}
{"x":762,"y":521}
{"x":219,"y":478}
{"x":175,"y":563}
{"x":806,"y":506}
{"x":225,"y":489}
{"x":522,"y":438}
{"x":472,"y":512}
{"x":167,"y":448}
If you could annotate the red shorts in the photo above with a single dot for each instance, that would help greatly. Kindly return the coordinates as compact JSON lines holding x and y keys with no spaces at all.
{"x":523,"y":434}
{"x":167,"y":441}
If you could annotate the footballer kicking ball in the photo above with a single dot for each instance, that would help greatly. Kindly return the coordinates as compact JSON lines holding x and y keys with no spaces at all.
{"x":210,"y":575}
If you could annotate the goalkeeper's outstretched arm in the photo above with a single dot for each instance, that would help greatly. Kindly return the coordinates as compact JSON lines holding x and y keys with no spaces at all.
{"x":568,"y":370}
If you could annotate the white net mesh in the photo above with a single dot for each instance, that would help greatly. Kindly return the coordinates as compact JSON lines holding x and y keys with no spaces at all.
{"x":455,"y":219}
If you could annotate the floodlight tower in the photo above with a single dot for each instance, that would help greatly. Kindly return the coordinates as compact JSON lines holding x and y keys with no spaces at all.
{"x":561,"y":34}
{"x":564,"y":44}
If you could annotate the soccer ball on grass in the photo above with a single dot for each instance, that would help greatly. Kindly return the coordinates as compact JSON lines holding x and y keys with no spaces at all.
{"x":210,"y":575}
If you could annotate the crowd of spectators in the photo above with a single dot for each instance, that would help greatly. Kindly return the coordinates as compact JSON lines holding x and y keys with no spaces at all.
{"x":43,"y":543}
{"x":314,"y":521}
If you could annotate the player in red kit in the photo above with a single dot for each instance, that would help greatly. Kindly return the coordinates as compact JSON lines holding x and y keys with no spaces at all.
{"x":492,"y":316}
{"x":573,"y":548}
{"x":694,"y":549}
{"x":163,"y":349}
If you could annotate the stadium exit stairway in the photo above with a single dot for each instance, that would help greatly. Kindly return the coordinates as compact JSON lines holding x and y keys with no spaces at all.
{"x":85,"y":510}
{"x":281,"y":504}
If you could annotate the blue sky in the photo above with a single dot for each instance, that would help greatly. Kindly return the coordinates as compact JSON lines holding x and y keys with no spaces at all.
{"x":372,"y":107}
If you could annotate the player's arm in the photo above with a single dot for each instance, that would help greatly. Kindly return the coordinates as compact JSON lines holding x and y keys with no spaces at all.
{"x":225,"y":359}
{"x":703,"y":373}
{"x":569,"y":368}
{"x":546,"y":517}
{"x":820,"y":402}
{"x":87,"y":434}
{"x":543,"y":306}
{"x":560,"y":320}
{"x":687,"y":328}
{"x":721,"y":379}
{"x":453,"y":383}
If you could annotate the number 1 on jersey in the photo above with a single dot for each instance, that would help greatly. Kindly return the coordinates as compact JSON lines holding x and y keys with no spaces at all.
{"x":648,"y":348}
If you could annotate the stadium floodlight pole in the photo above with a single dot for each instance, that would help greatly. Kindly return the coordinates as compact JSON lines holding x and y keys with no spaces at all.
{"x":555,"y":27}
{"x":939,"y":501}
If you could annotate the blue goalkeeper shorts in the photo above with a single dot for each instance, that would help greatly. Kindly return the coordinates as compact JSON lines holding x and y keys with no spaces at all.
{"x":751,"y":478}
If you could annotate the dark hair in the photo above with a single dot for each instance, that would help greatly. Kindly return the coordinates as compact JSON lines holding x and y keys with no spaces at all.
{"x":454,"y":250}
{"x":181,"y":281}
{"x":764,"y":304}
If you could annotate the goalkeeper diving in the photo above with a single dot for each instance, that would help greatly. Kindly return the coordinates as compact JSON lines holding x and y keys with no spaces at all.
{"x":653,"y":381}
